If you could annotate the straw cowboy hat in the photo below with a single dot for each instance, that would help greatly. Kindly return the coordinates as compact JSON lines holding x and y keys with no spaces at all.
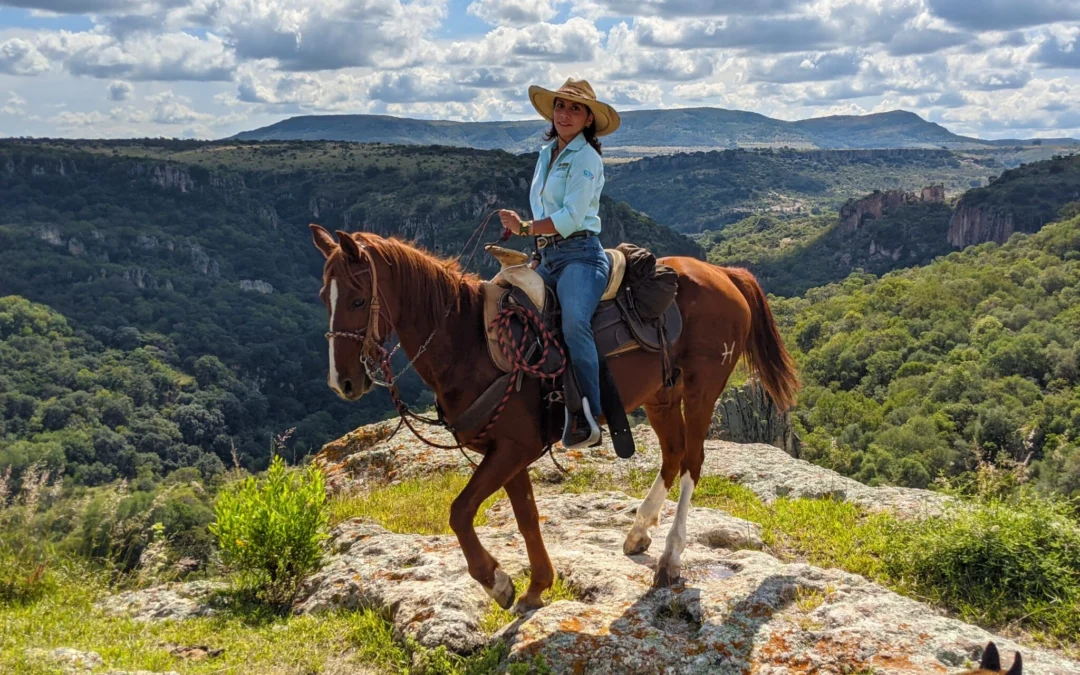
{"x":605,"y":117}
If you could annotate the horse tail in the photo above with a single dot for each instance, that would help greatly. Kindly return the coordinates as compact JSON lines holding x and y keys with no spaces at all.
{"x":766,"y":355}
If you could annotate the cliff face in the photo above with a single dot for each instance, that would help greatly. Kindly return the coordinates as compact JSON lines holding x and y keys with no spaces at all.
{"x":974,"y":225}
{"x":855,"y":212}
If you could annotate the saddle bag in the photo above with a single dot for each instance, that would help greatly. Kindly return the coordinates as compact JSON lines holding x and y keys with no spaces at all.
{"x":652,"y":286}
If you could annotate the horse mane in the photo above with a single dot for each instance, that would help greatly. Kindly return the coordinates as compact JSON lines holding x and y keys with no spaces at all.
{"x":427,"y":281}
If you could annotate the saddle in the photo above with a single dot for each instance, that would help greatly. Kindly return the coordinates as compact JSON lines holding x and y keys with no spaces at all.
{"x":617,"y":329}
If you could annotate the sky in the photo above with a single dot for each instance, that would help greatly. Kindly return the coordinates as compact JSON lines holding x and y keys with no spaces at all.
{"x":212,"y":68}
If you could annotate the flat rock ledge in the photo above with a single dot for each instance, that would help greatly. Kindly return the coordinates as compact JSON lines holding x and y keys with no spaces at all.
{"x":175,"y":601}
{"x":736,"y":609}
{"x":356,"y":463}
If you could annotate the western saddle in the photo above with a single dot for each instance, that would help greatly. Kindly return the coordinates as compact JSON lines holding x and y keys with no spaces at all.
{"x":617,"y":329}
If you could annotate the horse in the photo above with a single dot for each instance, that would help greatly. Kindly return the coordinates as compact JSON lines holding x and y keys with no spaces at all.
{"x":990,"y":663}
{"x":373,"y":286}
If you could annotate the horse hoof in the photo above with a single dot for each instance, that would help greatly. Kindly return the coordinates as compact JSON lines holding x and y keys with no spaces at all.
{"x":502,"y":591}
{"x":666,"y":573}
{"x":636,"y":545}
{"x":526,"y":605}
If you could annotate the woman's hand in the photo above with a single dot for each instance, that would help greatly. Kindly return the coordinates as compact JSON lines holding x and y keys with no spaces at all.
{"x":510,"y":220}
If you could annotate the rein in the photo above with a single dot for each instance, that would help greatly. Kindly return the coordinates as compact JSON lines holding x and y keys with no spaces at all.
{"x":381,"y":373}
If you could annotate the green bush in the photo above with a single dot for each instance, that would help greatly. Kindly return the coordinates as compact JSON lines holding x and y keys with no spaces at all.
{"x":269,"y":531}
{"x":997,"y":561}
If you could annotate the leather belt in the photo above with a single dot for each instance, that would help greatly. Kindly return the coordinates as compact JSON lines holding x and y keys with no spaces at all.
{"x":543,"y":240}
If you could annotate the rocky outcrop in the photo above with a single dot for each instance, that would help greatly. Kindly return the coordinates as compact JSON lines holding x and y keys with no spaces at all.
{"x":50,"y":234}
{"x":855,"y":212}
{"x":140,"y":277}
{"x":175,"y":601}
{"x":735,"y":610}
{"x":168,"y":176}
{"x":972,"y":225}
{"x":256,"y":285}
{"x":365,"y":459}
{"x":201,"y":260}
{"x":747,"y":414}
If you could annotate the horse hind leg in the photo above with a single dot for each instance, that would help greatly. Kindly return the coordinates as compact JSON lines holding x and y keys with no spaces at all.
{"x":698,"y":404}
{"x":665,"y":416}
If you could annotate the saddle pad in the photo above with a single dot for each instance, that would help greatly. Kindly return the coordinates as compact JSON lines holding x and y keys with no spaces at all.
{"x":613,"y":334}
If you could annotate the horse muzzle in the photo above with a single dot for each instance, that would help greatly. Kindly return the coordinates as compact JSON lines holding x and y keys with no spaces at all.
{"x":352,"y":389}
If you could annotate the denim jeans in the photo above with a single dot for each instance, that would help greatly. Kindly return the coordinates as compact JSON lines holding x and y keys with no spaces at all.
{"x":578,"y":271}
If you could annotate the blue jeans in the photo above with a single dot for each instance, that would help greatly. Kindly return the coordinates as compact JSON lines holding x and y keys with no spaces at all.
{"x":578,"y":271}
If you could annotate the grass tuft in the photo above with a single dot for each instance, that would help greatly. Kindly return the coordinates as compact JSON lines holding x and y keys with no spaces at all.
{"x":417,"y":506}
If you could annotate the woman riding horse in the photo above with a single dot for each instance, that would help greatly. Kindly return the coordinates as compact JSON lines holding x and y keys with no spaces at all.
{"x":565,"y":200}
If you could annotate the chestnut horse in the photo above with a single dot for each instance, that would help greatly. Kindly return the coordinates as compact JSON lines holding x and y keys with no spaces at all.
{"x":374,"y":286}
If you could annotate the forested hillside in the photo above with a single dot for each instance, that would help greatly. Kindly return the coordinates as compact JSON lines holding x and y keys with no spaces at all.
{"x":706,"y":191}
{"x":925,"y":371}
{"x":791,"y":254}
{"x":202,"y":251}
{"x":72,"y":404}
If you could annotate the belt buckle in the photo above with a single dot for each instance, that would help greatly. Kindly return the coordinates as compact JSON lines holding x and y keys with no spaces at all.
{"x":541,"y":241}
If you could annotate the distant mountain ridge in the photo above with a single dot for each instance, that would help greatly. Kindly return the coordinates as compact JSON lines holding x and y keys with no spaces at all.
{"x":643,"y":132}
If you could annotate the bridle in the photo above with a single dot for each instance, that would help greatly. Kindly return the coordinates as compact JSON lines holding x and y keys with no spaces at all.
{"x":379,"y":371}
{"x":377,"y":367}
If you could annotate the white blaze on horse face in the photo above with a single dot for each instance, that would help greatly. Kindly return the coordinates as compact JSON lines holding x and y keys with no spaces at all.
{"x":333,"y":307}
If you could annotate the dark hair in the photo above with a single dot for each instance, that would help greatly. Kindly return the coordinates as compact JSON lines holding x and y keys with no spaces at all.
{"x":589,"y":131}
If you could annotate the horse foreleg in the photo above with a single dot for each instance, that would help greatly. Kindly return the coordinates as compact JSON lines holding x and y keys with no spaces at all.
{"x":542,"y":573}
{"x":495,"y":470}
{"x":665,"y":416}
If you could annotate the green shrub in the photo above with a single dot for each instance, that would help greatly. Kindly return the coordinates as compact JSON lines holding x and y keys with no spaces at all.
{"x":270,"y":530}
{"x":997,"y":561}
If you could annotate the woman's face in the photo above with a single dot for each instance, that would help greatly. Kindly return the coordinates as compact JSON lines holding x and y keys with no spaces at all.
{"x":570,"y":118}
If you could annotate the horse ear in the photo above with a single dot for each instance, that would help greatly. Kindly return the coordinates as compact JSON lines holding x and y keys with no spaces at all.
{"x":323,"y":241}
{"x":348,"y":246}
{"x":1017,"y":666}
{"x":991,"y":660}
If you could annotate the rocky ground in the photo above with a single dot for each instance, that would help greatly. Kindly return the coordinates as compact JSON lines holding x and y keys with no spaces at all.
{"x":736,"y":609}
{"x":359,"y":461}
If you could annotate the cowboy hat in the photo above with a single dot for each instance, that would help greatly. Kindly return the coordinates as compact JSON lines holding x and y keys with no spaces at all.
{"x":605,"y":117}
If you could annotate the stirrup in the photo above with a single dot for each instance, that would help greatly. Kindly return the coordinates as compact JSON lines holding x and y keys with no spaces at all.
{"x":594,"y":428}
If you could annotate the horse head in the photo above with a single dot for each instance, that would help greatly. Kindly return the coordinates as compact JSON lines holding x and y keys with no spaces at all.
{"x":351,"y":295}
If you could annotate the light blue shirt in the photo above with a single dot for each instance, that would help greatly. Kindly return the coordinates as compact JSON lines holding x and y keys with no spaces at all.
{"x":569,"y":193}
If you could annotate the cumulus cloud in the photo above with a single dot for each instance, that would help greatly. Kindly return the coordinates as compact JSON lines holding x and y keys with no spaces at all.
{"x":120,"y":90}
{"x":1060,"y":51}
{"x":19,"y":57}
{"x":629,"y":60}
{"x":416,"y":86}
{"x":699,"y":91}
{"x":1004,"y":14}
{"x":170,"y":108}
{"x":694,"y":8}
{"x":574,"y":41}
{"x":327,"y":35}
{"x":69,"y":119}
{"x":914,"y":41}
{"x":808,"y":68}
{"x":14,"y":105}
{"x":165,"y":57}
{"x":766,"y":35}
{"x":634,"y":94}
{"x":513,"y":11}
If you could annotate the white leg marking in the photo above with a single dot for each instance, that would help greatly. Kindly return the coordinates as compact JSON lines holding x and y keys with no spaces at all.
{"x":333,"y":307}
{"x":676,"y":539}
{"x":650,"y":508}
{"x":637,"y":540}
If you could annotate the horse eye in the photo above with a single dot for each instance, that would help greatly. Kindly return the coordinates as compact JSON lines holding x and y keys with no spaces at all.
{"x":358,"y":303}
